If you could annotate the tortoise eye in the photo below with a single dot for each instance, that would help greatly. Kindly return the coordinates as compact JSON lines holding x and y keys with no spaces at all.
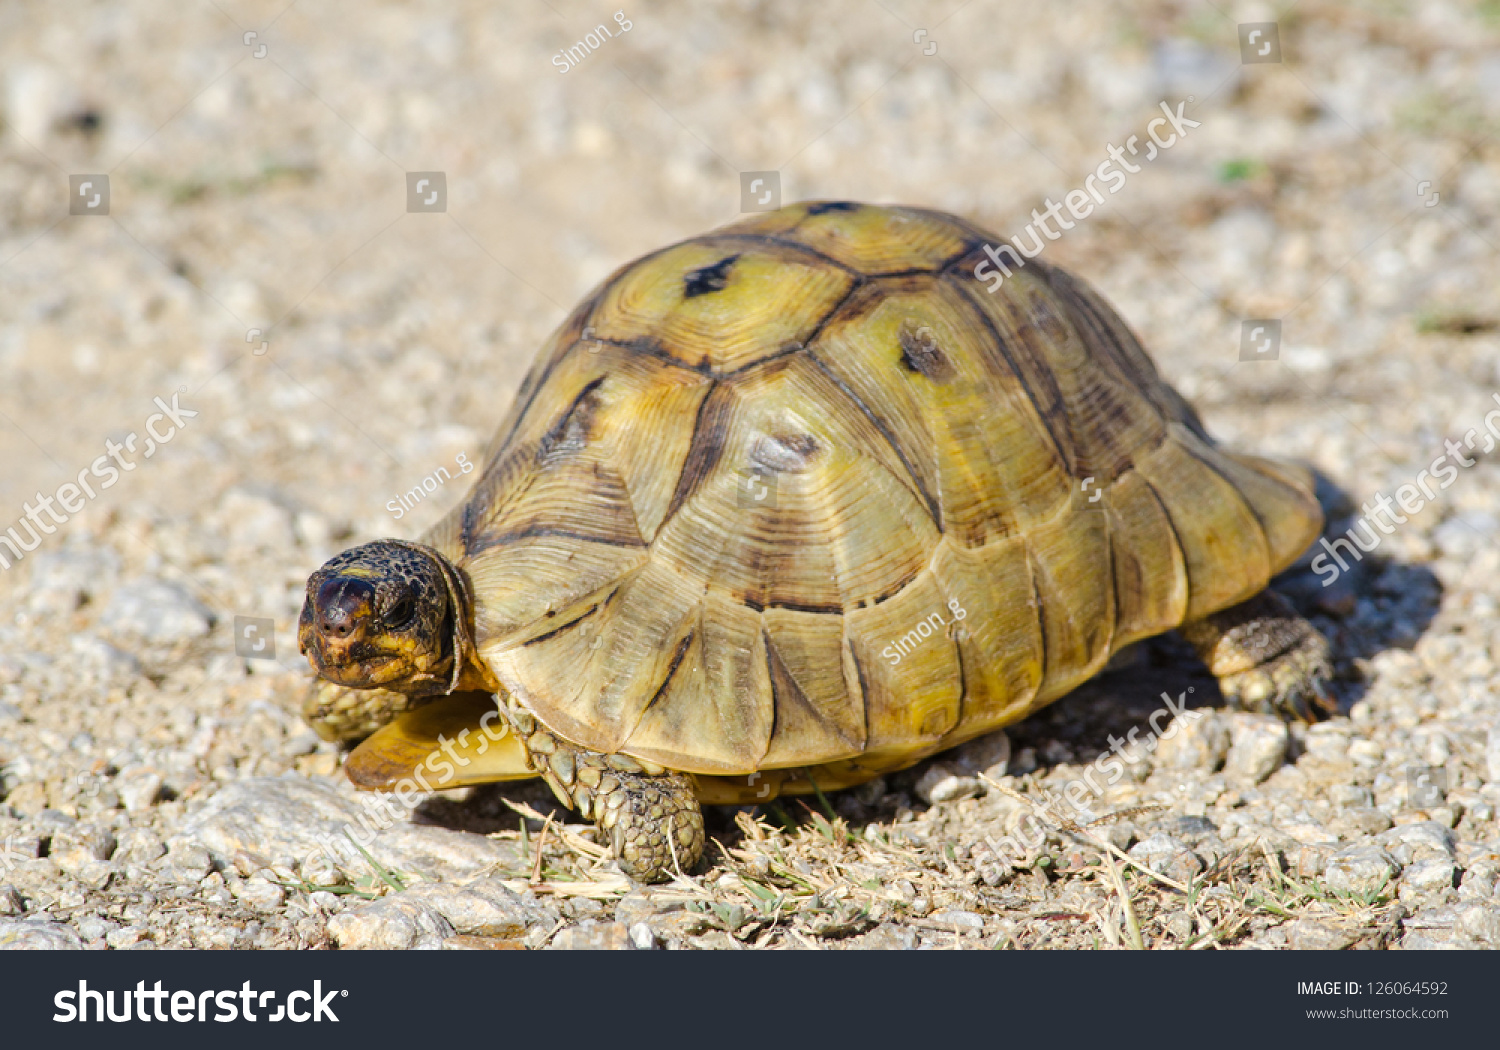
{"x":400,"y":616}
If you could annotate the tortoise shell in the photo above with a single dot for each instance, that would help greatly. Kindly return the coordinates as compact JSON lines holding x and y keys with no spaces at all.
{"x":803,"y":491}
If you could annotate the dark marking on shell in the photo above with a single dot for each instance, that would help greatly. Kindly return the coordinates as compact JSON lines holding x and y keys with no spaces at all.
{"x":786,"y":691}
{"x":864,"y":685}
{"x":901,"y":585}
{"x":573,"y":622}
{"x":708,"y":278}
{"x":570,"y":433}
{"x":1040,"y":616}
{"x":534,"y":531}
{"x":963,"y":680}
{"x":749,"y":601}
{"x":682,"y":648}
{"x":783,"y":453}
{"x":781,"y":248}
{"x":920,"y":353}
{"x":652,"y":348}
{"x":709,"y":432}
{"x":559,"y":630}
{"x":774,"y":663}
{"x":827,"y":206}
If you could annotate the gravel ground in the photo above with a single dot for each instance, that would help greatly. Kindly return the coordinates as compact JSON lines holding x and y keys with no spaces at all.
{"x":327,"y":349}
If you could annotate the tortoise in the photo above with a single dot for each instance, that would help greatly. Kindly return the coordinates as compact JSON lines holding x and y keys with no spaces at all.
{"x":794,"y":504}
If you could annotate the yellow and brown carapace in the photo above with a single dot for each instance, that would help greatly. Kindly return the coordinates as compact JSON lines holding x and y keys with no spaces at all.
{"x":802,"y":494}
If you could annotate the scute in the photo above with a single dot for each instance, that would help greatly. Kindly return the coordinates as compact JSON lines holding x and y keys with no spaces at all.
{"x":803,"y":493}
{"x":802,"y":504}
{"x":1148,"y":570}
{"x":716,"y":708}
{"x":868,"y":239}
{"x":1226,"y":551}
{"x":815,"y":722}
{"x":719,"y":305}
{"x":978,"y":448}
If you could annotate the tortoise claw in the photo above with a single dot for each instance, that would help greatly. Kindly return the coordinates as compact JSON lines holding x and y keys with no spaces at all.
{"x":1268,"y":659}
{"x":1324,"y":696}
{"x":1294,"y":685}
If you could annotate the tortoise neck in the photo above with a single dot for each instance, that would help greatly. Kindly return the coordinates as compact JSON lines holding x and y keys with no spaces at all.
{"x":466,"y":671}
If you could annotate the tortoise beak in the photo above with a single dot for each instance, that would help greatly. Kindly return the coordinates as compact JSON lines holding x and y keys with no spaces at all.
{"x":336,"y":627}
{"x":343,"y":609}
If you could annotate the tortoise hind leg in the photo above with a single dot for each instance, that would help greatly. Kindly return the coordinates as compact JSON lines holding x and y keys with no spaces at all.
{"x":1266,"y":657}
{"x":649,"y":816}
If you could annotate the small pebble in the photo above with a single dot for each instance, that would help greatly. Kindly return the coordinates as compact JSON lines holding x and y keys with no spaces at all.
{"x":939,"y":784}
{"x":156,"y":612}
{"x":1360,"y":871}
{"x":1167,"y":855}
{"x":390,"y":922}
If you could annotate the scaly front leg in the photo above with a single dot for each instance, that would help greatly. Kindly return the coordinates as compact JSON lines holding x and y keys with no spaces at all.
{"x":649,"y":815}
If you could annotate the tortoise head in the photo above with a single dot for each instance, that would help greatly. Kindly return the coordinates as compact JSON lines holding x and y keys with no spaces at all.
{"x":388,"y":614}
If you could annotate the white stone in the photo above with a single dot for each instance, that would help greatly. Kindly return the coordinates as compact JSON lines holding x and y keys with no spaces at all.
{"x":1432,"y":875}
{"x":1407,"y":842}
{"x":1257,"y":747}
{"x":1359,"y":871}
{"x":642,"y":937}
{"x":966,"y":919}
{"x":139,"y":793}
{"x":156,"y":611}
{"x":484,"y":908}
{"x":390,"y":922}
{"x":1195,"y":740}
{"x":261,"y":894}
{"x":1164,"y":854}
{"x":30,"y":934}
{"x":939,"y":784}
{"x":988,"y":754}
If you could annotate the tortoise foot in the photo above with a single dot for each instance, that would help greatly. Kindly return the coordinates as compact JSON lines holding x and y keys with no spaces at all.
{"x":654,"y":825}
{"x":649,"y":815}
{"x":1267,"y":658}
{"x":338,"y":712}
